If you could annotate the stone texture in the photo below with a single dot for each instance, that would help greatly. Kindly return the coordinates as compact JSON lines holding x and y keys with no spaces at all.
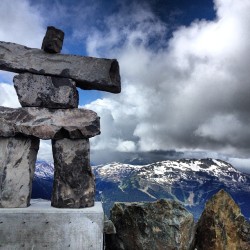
{"x":163,"y":224}
{"x":45,"y":91}
{"x":17,"y":166}
{"x":222,"y":226}
{"x":87,"y":72}
{"x":53,"y":40}
{"x":49,"y":123}
{"x":74,"y":185}
{"x":109,"y":227}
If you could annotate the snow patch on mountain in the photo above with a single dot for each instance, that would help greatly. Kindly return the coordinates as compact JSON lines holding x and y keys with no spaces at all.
{"x":172,"y":171}
{"x":44,"y":170}
{"x":188,"y":181}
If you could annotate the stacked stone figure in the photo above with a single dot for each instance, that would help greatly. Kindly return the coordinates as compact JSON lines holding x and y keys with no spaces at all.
{"x":47,"y":90}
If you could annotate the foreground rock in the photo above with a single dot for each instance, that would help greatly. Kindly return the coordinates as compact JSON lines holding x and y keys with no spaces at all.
{"x":53,"y":40}
{"x":163,"y":224}
{"x":74,"y":185}
{"x":222,"y":226}
{"x":17,"y":166}
{"x":49,"y":123}
{"x":45,"y":91}
{"x":108,"y":227}
{"x":87,"y":72}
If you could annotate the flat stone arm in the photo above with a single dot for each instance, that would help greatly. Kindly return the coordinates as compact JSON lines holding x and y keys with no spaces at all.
{"x":87,"y":72}
{"x":46,"y":123}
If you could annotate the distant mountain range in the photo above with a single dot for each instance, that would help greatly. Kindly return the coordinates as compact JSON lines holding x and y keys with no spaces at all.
{"x":43,"y":180}
{"x":192,"y":182}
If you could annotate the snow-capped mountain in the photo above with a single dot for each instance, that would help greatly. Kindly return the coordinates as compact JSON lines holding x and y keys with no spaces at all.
{"x":43,"y":180}
{"x":169,"y":172}
{"x":191,"y":182}
{"x":44,"y":170}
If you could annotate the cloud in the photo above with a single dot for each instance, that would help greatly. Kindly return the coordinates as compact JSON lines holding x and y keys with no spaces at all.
{"x":189,"y":93}
{"x":225,"y":128}
{"x":45,"y":151}
{"x":21,"y":23}
{"x":186,"y":91}
{"x":8,"y":96}
{"x":126,"y":146}
{"x":242,"y":164}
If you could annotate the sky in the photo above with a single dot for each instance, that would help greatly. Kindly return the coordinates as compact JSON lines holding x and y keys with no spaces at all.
{"x":184,"y":67}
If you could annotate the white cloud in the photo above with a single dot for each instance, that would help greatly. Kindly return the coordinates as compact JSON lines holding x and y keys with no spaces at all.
{"x":21,"y":23}
{"x":8,"y":96}
{"x":45,"y":151}
{"x":126,"y":146}
{"x":188,"y":93}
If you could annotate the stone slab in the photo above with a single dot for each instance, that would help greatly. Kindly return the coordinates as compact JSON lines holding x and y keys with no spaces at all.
{"x":17,"y":166}
{"x":53,"y":40}
{"x":87,"y":72}
{"x":41,"y":226}
{"x":49,"y":123}
{"x":74,"y":184}
{"x":45,"y":91}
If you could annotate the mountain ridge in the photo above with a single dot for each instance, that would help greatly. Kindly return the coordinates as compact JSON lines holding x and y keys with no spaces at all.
{"x":189,"y":181}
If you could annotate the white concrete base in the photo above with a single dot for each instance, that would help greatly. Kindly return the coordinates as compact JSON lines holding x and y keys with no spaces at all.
{"x":41,"y":226}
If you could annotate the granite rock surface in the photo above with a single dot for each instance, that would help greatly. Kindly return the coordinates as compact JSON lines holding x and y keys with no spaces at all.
{"x":163,"y":224}
{"x":46,"y":91}
{"x":17,"y":166}
{"x":87,"y":72}
{"x":49,"y":123}
{"x":74,"y":185}
{"x":222,"y":226}
{"x":109,"y":227}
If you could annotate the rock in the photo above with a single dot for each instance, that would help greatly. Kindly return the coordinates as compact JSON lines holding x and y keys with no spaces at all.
{"x":17,"y":166}
{"x":74,"y":185}
{"x":49,"y":123}
{"x":109,"y":227}
{"x":222,"y":226}
{"x":45,"y":91}
{"x":163,"y":224}
{"x":53,"y":40}
{"x":87,"y":72}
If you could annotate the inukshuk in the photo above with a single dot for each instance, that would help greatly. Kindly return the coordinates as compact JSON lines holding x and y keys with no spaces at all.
{"x":46,"y":89}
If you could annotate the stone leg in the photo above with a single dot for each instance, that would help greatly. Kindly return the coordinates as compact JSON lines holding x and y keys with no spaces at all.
{"x":74,"y":184}
{"x":17,"y":166}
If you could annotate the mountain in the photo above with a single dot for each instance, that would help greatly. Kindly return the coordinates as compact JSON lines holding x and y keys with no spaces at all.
{"x":43,"y":180}
{"x":192,"y":182}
